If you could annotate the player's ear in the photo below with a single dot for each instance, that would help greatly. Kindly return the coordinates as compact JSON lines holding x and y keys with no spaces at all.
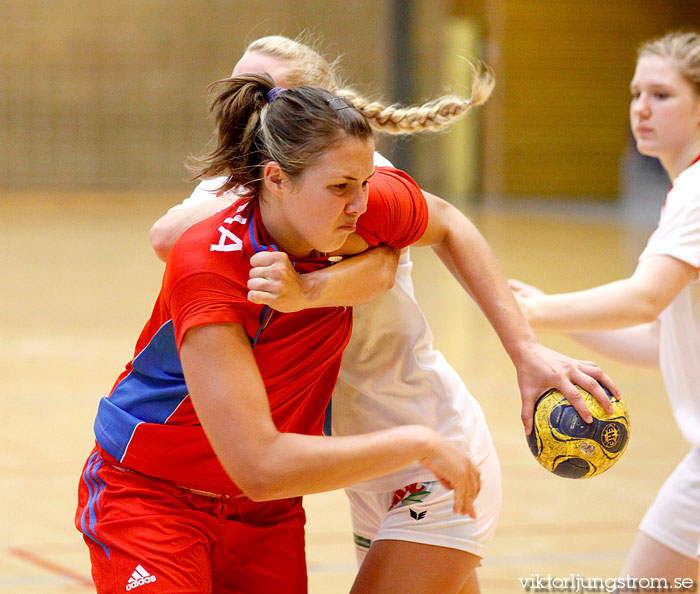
{"x":275,"y":179}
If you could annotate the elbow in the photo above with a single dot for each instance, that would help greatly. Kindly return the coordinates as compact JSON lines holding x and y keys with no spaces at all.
{"x":261,"y":486}
{"x":389,"y":268}
{"x":649,"y":306}
{"x":258,"y":494}
{"x":648,"y":311}
{"x":160,"y":240}
{"x":257,"y":474}
{"x":388,"y":280}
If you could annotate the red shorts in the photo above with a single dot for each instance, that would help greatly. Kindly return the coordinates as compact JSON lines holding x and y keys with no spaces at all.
{"x":146,"y":535}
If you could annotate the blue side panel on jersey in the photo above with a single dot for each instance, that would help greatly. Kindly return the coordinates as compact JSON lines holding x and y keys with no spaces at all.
{"x":149,"y":394}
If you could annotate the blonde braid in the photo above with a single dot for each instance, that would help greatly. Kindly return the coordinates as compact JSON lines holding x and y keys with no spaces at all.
{"x":431,"y":116}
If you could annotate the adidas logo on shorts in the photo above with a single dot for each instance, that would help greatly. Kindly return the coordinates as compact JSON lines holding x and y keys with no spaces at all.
{"x":140,"y":577}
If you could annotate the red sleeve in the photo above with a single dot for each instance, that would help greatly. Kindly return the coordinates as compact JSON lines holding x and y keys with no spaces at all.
{"x":203,"y":287}
{"x":206,"y":298}
{"x":397,"y":213}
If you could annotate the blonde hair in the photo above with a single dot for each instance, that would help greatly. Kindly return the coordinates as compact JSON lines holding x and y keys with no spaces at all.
{"x":306,"y":66}
{"x":431,"y":116}
{"x":683,"y":48}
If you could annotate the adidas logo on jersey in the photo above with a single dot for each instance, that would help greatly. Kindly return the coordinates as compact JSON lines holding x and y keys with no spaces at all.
{"x":140,"y":577}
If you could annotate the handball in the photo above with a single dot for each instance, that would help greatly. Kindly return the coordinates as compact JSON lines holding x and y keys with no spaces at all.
{"x":567,"y":446}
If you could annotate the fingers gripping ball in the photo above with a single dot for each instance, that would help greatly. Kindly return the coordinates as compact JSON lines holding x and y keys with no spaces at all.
{"x":567,"y":446}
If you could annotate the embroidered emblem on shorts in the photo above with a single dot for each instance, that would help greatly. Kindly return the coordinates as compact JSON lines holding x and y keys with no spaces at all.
{"x":140,"y":577}
{"x":410,"y":494}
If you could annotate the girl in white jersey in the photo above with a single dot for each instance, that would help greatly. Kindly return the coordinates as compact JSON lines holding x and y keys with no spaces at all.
{"x":391,"y":375}
{"x":657,"y":309}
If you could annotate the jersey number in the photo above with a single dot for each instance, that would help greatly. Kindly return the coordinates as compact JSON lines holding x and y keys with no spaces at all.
{"x":228,"y":242}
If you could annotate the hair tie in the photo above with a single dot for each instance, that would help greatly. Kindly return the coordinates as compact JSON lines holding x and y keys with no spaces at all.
{"x":273,"y":93}
{"x":337,"y":103}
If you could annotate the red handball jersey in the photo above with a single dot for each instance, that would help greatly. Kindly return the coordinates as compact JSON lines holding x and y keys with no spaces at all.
{"x":148,"y":423}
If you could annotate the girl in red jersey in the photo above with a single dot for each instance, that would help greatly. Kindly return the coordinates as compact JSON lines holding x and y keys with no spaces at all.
{"x":212,"y":433}
{"x":391,"y":374}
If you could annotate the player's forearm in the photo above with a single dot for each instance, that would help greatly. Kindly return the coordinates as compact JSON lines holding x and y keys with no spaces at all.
{"x":639,"y":299}
{"x":608,"y":307}
{"x":469,"y":258}
{"x":295,"y":464}
{"x":353,"y":281}
{"x":637,"y":345}
{"x":166,"y":230}
{"x":235,"y":414}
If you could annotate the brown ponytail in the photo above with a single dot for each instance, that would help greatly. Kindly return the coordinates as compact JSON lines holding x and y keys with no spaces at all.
{"x":293,"y":129}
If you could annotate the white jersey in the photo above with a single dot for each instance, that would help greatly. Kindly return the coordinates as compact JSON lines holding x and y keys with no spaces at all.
{"x":391,"y":374}
{"x":205,"y":190}
{"x":678,"y":235}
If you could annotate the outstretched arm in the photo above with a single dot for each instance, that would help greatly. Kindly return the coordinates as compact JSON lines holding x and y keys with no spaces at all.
{"x":234,"y":412}
{"x":636,"y":345}
{"x":635,"y":300}
{"x":467,"y":255}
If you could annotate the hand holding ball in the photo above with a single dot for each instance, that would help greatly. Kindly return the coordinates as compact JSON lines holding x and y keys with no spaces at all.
{"x":567,"y":446}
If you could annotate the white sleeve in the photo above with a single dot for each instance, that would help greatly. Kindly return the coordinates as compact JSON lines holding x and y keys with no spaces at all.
{"x":381,"y":161}
{"x":678,"y":233}
{"x":205,"y":190}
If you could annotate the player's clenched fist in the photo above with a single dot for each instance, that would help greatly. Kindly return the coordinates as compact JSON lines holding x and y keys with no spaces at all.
{"x":273,"y":281}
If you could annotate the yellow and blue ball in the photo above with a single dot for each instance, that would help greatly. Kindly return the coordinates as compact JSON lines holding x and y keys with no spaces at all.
{"x":567,"y":446}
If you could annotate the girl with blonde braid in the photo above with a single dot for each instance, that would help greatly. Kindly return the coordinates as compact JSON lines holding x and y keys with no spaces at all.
{"x":391,"y":374}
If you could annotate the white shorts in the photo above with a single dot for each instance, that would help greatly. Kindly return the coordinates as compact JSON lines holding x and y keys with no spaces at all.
{"x":422,"y":513}
{"x":674,"y":517}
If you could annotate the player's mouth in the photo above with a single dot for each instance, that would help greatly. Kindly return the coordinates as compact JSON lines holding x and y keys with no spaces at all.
{"x":643,"y":130}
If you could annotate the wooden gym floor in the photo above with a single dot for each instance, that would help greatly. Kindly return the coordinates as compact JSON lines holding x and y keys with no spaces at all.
{"x":78,"y":281}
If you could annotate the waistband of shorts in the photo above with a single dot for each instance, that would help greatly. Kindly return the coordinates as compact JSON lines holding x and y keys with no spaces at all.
{"x":111,"y":461}
{"x":221,"y":496}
